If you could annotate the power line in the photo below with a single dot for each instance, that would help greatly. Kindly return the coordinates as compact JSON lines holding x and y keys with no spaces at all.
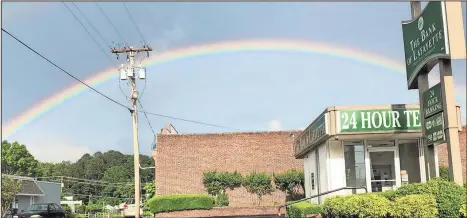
{"x":76,"y":18}
{"x":149,"y":122}
{"x":115,"y":28}
{"x":60,"y":178}
{"x":131,"y":17}
{"x":192,"y":121}
{"x":95,"y":196}
{"x":119,"y":84}
{"x":95,"y":29}
{"x":69,"y":74}
{"x":107,"y":97}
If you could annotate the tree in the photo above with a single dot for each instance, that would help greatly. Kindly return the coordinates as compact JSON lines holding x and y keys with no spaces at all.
{"x":117,"y":174}
{"x":10,"y":187}
{"x":45,"y":169}
{"x":16,"y":160}
{"x":150,"y":190}
{"x":94,"y":168}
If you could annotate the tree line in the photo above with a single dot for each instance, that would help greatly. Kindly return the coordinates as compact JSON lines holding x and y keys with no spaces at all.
{"x":98,"y":177}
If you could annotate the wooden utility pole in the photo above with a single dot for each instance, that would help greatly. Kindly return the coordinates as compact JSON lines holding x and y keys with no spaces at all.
{"x":129,"y":72}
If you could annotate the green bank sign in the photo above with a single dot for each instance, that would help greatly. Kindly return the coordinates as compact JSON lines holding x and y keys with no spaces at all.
{"x":432,"y":101}
{"x":378,"y":120}
{"x":425,"y":41}
{"x":434,"y":129}
{"x":312,"y":134}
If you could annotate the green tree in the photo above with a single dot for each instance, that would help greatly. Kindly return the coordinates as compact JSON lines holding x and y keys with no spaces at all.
{"x":10,"y":187}
{"x":113,"y":158}
{"x":150,"y":190}
{"x":16,"y":160}
{"x":45,"y":169}
{"x":290,"y":182}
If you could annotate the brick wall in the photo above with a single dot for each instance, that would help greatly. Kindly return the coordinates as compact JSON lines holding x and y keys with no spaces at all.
{"x":181,"y":160}
{"x":443,"y":152}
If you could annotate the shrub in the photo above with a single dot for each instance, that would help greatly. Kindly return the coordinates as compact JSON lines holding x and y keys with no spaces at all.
{"x":67,"y":209}
{"x":390,"y":194}
{"x":216,"y":182}
{"x":413,"y":189}
{"x":463,"y":209}
{"x":358,"y":205}
{"x":93,"y":208}
{"x":301,"y":209}
{"x":80,"y":209}
{"x":146,"y":213}
{"x":417,"y":206}
{"x":448,"y":195}
{"x":289,"y":181}
{"x":449,"y":198}
{"x":444,"y":173}
{"x":222,"y":200}
{"x":167,"y":203}
{"x":258,"y":183}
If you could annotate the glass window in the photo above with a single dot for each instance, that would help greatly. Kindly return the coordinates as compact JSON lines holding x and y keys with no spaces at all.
{"x":354,"y":155}
{"x":312,"y":181}
{"x":52,"y":207}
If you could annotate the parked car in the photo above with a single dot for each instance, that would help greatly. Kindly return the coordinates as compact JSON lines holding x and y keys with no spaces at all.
{"x":128,"y":209}
{"x":49,"y":210}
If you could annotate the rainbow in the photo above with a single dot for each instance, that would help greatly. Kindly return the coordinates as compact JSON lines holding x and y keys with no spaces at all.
{"x":296,"y":46}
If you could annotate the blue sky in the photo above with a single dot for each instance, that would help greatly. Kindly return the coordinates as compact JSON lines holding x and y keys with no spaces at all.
{"x":252,"y":91}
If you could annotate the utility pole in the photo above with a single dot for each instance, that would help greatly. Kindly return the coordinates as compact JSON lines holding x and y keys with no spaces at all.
{"x":125,"y":73}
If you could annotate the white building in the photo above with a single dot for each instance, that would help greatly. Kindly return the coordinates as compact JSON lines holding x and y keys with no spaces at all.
{"x":372,"y":147}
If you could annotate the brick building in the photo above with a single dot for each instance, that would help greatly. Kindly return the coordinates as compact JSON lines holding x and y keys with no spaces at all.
{"x":181,"y":160}
{"x":443,"y":152}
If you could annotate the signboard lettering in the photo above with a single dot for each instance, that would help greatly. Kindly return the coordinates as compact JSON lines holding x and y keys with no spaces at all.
{"x":432,"y":101}
{"x":312,"y":134}
{"x":425,"y":41}
{"x":434,"y":129}
{"x":379,"y":120}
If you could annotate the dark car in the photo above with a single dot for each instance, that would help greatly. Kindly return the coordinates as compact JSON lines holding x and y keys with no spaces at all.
{"x":49,"y":210}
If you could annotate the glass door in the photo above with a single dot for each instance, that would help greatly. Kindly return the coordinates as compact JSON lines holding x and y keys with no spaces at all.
{"x":383,"y":169}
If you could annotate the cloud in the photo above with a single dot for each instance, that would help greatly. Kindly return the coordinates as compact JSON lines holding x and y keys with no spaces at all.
{"x":58,"y":151}
{"x":46,"y":147}
{"x":274,"y":125}
{"x":167,"y":37}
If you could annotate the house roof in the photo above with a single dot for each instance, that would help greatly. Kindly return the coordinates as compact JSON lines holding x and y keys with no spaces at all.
{"x":30,"y":188}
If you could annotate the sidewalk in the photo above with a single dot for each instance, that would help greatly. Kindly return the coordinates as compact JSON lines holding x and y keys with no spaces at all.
{"x":259,"y":212}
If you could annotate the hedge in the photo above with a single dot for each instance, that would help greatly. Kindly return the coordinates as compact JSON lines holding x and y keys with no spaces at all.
{"x":444,"y":173}
{"x":463,"y":209}
{"x":179,"y":202}
{"x":289,"y":181}
{"x":358,"y":205}
{"x":416,"y":206}
{"x":216,"y":182}
{"x":258,"y":183}
{"x":449,"y":195}
{"x":301,"y":209}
